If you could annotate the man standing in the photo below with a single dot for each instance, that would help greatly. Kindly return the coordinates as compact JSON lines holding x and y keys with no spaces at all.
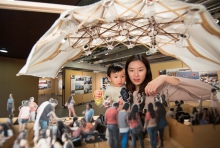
{"x":111,"y":118}
{"x":43,"y":115}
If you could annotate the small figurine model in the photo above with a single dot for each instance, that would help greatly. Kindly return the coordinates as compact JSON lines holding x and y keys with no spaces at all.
{"x":107,"y":102}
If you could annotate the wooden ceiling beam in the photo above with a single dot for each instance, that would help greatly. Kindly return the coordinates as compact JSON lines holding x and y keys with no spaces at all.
{"x":34,"y":6}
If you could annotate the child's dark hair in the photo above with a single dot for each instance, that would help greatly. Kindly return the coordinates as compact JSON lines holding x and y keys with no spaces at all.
{"x":213,"y":90}
{"x":115,"y":67}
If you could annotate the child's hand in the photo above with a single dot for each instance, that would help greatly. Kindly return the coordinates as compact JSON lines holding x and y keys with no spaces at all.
{"x":97,"y":94}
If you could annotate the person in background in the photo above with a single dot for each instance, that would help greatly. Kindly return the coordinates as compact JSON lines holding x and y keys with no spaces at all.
{"x":181,"y":102}
{"x":5,"y":132}
{"x":88,"y":113}
{"x":21,"y":140}
{"x":135,"y":126}
{"x":100,"y":125}
{"x":10,"y":105}
{"x":86,"y":129}
{"x":151,"y":125}
{"x":44,"y":111}
{"x":67,"y":143}
{"x":214,"y":101}
{"x":24,"y":115}
{"x":61,"y":128}
{"x":71,"y":106}
{"x":164,"y":102}
{"x":33,"y":107}
{"x":161,"y":120}
{"x":171,"y":113}
{"x":111,"y":119}
{"x":179,"y":108}
{"x":42,"y":143}
{"x":158,"y":98}
{"x":123,"y":125}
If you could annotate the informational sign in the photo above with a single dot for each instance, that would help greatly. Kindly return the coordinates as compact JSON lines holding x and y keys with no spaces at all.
{"x":44,"y":84}
{"x":81,"y":84}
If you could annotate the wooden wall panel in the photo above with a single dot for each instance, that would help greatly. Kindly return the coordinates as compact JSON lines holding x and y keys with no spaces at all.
{"x":22,"y":87}
{"x":68,"y":73}
{"x":88,"y":97}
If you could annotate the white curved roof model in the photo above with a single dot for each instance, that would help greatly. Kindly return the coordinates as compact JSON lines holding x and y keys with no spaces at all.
{"x":185,"y":31}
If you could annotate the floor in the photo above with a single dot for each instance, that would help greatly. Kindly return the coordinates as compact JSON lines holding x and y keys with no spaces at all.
{"x":167,"y":144}
{"x":63,"y":112}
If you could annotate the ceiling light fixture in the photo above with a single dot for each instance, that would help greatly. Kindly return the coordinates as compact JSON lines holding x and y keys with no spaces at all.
{"x":3,"y":50}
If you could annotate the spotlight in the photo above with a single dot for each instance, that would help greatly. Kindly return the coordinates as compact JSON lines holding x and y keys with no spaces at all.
{"x":63,"y":40}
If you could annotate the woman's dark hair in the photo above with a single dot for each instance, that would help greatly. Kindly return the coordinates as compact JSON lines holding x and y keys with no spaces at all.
{"x":125,"y":106}
{"x":176,"y":102}
{"x":161,"y":111}
{"x":129,"y":85}
{"x":213,"y":90}
{"x":83,"y":119}
{"x":194,"y":110}
{"x":171,"y":109}
{"x":151,"y":110}
{"x":75,"y":120}
{"x":134,"y":112}
{"x":70,"y":98}
{"x":60,"y":130}
{"x":66,"y":136}
{"x":115,"y":67}
{"x":90,"y":105}
{"x":181,"y":102}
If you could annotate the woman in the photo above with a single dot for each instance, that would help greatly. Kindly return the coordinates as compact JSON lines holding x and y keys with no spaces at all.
{"x":42,"y":143}
{"x":71,"y":106}
{"x":86,"y":129}
{"x":21,"y":140}
{"x":139,"y":79}
{"x":66,"y":141}
{"x":33,"y":107}
{"x":24,"y":115}
{"x":123,"y":125}
{"x":61,"y":128}
{"x":135,"y":126}
{"x":151,"y":125}
{"x":161,"y":120}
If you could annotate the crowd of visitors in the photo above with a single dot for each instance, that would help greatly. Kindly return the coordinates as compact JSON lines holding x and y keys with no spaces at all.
{"x":131,"y":110}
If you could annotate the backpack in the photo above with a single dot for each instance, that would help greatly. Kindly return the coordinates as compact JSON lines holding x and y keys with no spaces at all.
{"x":10,"y":101}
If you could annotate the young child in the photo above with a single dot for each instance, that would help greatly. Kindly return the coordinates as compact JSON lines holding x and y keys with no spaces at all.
{"x":116,"y":76}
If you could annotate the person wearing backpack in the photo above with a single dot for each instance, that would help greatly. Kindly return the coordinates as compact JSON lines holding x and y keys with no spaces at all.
{"x":10,"y":105}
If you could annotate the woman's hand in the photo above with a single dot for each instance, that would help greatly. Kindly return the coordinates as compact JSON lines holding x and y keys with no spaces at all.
{"x":152,"y":86}
{"x":97,"y":94}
